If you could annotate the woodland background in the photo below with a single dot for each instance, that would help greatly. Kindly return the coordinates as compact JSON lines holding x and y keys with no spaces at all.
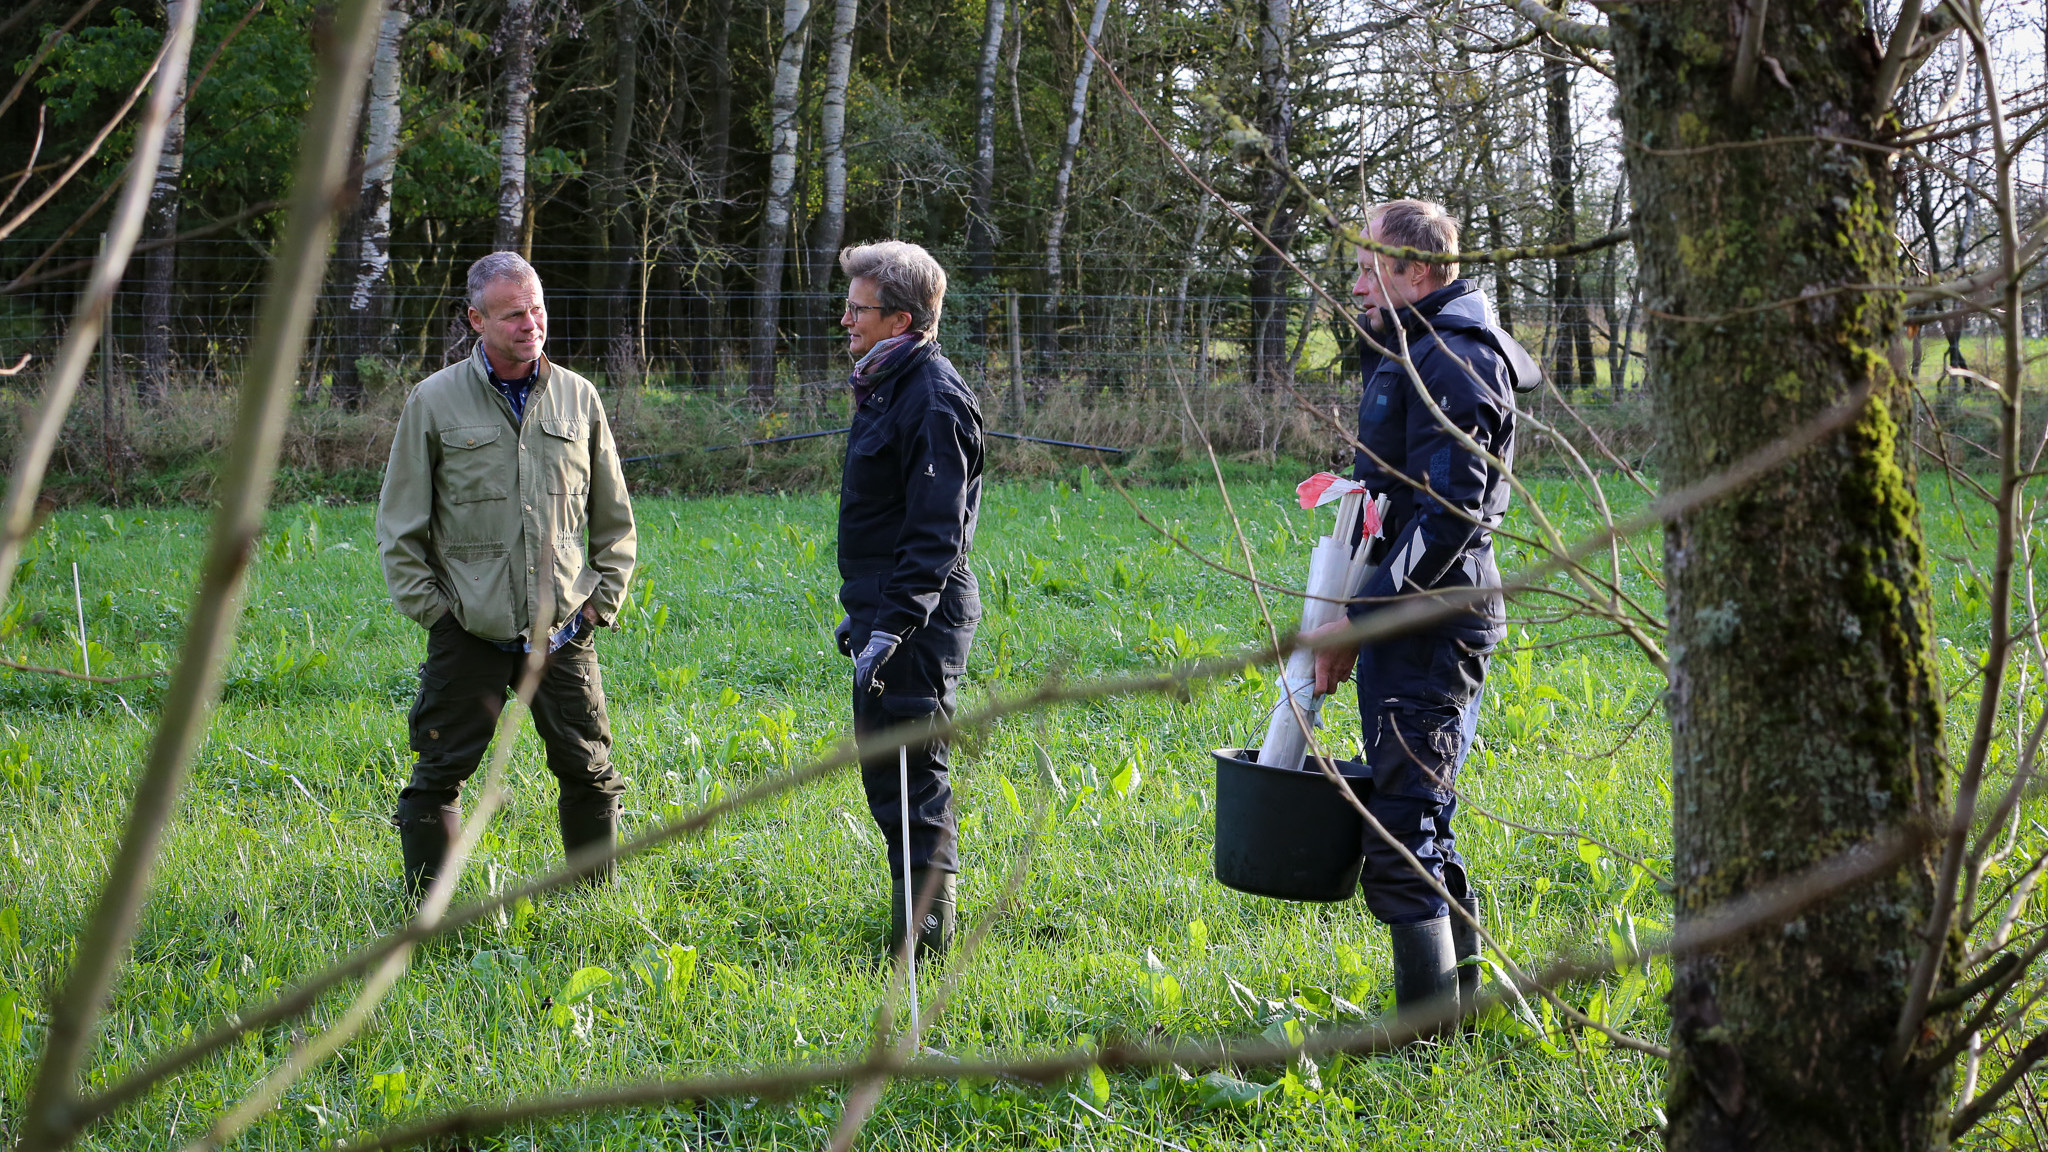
{"x":683,"y":171}
{"x":1829,"y":266}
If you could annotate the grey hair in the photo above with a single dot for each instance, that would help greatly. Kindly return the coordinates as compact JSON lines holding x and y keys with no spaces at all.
{"x":1422,"y":225}
{"x":497,"y":266}
{"x":905,"y":276}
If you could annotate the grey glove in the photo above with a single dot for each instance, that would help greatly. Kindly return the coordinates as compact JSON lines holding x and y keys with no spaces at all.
{"x":844,"y":635}
{"x":881,"y":646}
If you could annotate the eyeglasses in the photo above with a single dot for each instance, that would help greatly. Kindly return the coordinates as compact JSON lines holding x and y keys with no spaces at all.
{"x":857,"y":309}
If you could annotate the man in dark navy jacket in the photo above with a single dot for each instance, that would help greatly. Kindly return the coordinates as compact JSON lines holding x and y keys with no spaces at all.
{"x":1419,"y":693}
{"x":908,"y":502}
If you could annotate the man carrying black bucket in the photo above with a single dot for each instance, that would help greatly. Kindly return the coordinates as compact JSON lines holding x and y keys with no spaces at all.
{"x":908,"y":502}
{"x":1418,"y":694}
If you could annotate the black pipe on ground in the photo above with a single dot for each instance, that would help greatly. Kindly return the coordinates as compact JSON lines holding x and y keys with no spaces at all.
{"x":842,"y":431}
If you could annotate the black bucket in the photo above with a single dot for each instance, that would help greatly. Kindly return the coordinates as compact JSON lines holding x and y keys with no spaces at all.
{"x":1288,"y":833}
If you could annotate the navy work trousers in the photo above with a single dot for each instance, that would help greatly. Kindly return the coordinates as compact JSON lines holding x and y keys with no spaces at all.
{"x":1418,"y":703}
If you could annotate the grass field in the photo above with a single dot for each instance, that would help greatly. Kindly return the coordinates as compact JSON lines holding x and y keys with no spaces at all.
{"x":756,"y":944}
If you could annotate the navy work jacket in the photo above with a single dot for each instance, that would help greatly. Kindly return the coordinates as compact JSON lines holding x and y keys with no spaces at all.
{"x":1446,"y":500}
{"x":910,"y":495}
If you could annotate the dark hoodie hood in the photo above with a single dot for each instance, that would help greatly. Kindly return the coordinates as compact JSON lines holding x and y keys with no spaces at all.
{"x":1460,"y":309}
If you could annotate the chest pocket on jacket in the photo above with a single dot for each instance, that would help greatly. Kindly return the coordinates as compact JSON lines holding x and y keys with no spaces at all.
{"x":566,"y":456}
{"x":870,"y":462}
{"x":471,"y":468}
{"x":1376,"y":404}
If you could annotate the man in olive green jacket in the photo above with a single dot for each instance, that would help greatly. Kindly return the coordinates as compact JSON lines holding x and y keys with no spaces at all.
{"x":505,"y":529}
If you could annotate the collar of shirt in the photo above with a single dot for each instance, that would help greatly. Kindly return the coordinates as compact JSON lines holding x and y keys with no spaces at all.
{"x":515,"y":392}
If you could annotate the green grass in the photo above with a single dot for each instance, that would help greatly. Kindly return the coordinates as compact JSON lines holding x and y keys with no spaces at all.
{"x":280,"y":858}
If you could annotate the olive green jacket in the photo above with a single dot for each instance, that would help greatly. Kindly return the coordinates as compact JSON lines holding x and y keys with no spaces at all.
{"x":488,"y":519}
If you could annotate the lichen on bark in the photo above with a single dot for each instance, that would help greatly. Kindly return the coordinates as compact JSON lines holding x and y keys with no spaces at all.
{"x":1804,"y":705}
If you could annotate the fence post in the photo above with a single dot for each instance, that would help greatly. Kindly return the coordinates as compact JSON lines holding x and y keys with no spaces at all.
{"x":107,"y":380}
{"x":1016,"y":359}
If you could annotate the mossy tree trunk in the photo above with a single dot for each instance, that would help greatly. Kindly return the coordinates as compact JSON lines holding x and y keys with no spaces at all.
{"x":1805,"y":712}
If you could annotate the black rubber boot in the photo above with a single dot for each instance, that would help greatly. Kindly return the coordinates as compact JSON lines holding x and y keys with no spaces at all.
{"x":1465,"y":947}
{"x":424,"y":836}
{"x":935,"y":932}
{"x":1425,"y":969}
{"x":590,"y":824}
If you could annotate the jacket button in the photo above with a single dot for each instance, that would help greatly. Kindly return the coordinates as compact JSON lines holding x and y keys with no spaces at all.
{"x":433,"y":733}
{"x":472,"y":440}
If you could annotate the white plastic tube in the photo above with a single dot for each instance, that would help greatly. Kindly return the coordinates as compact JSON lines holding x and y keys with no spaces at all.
{"x":910,"y":933}
{"x":1336,"y":571}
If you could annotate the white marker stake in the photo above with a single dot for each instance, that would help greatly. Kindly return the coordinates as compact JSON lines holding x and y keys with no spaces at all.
{"x":78,"y":598}
{"x":909,"y":895}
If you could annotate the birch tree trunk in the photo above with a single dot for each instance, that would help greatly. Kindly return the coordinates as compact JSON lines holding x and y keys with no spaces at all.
{"x":981,"y":195}
{"x":1016,"y":93}
{"x":160,"y":265}
{"x":1273,"y":211}
{"x":615,"y":230}
{"x":1062,"y":183}
{"x":515,"y":44}
{"x":366,"y":326}
{"x":775,"y":215}
{"x":829,"y":229}
{"x":1805,"y":710}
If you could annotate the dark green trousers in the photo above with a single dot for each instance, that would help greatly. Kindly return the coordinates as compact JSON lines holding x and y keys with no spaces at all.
{"x":463,"y":687}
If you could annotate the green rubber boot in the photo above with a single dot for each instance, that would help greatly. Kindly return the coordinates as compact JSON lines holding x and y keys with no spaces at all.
{"x":934,"y":897}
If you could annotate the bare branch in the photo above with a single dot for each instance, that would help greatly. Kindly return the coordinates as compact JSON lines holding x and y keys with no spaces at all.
{"x":1896,"y":53}
{"x":1379,"y":626}
{"x":47,"y":1121}
{"x":42,"y":53}
{"x":1750,"y":49}
{"x":1571,"y":33}
{"x":39,"y":439}
{"x":68,"y":674}
{"x":1968,"y":1116}
{"x":1466,"y":802}
{"x":1934,"y":949}
{"x":35,"y":149}
{"x":92,"y":149}
{"x":1705,"y":932}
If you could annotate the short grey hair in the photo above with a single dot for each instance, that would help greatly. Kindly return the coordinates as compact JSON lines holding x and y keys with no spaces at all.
{"x":905,"y":276}
{"x":497,"y":266}
{"x":1422,"y":225}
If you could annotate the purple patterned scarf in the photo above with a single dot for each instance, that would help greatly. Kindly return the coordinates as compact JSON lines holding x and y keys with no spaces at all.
{"x":879,"y":362}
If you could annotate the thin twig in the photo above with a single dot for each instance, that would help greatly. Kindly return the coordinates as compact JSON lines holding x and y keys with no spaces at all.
{"x":1465,"y":802}
{"x":1768,"y":905}
{"x":1376,"y":627}
{"x":38,"y":441}
{"x":68,"y":674}
{"x":1934,"y":948}
{"x":48,"y":1120}
{"x":43,"y":53}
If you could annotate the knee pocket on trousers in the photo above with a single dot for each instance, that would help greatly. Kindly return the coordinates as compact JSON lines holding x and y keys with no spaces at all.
{"x":430,"y":698}
{"x":1416,"y":752}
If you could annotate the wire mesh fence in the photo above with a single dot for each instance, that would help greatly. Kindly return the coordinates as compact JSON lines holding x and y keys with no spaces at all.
{"x":687,"y":326}
{"x":1167,"y":359}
